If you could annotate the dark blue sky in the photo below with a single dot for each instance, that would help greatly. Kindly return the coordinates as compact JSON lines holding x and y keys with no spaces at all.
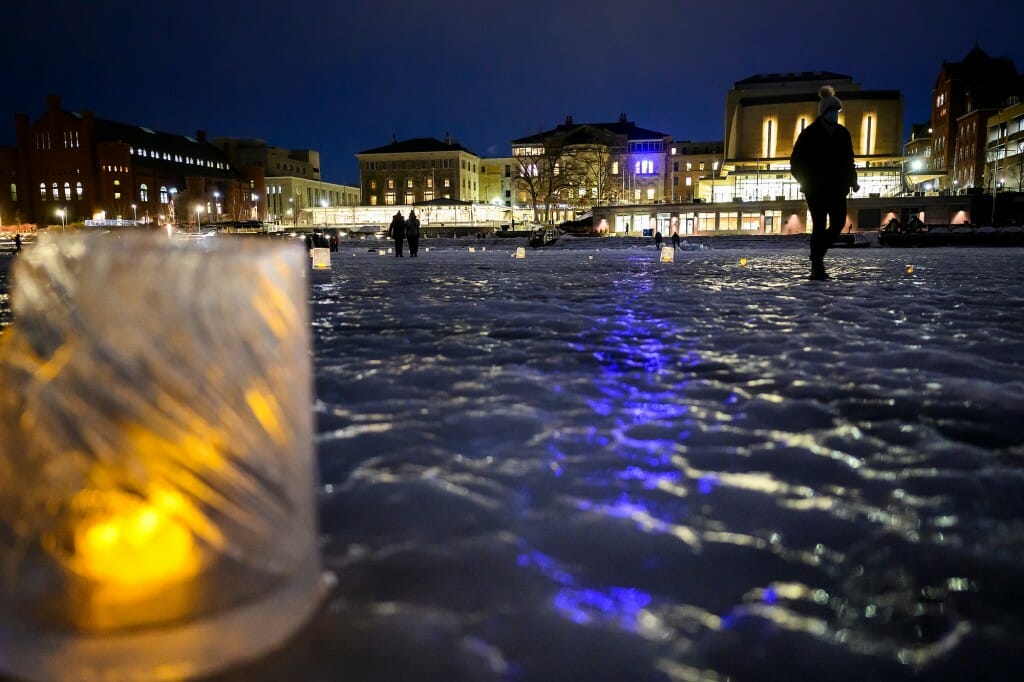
{"x":343,"y":76}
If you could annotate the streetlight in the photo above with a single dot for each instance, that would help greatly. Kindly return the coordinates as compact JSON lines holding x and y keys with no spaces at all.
{"x":216,"y":203}
{"x":170,"y":205}
{"x":61,"y":212}
{"x":256,"y":205}
{"x":135,"y":215}
{"x":199,"y":222}
{"x":323,"y":205}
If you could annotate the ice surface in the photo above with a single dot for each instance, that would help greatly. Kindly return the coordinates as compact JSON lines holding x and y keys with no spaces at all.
{"x":155,"y":448}
{"x":587,"y":464}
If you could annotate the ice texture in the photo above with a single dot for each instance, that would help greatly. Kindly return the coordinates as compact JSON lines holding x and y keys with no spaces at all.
{"x":155,"y":442}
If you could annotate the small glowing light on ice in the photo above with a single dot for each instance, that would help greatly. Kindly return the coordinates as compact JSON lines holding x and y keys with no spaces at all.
{"x":668,"y":254}
{"x":743,"y":262}
{"x":520,"y":252}
{"x":910,"y":269}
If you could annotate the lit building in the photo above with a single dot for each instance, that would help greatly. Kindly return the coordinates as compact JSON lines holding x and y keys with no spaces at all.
{"x":497,"y":180}
{"x":418,"y":169}
{"x":287,"y":196}
{"x":275,"y":161}
{"x":573,"y":166}
{"x":765,"y":114}
{"x":80,"y":167}
{"x":1004,"y":170}
{"x":693,"y":169}
{"x":917,"y":154}
{"x":965,"y":93}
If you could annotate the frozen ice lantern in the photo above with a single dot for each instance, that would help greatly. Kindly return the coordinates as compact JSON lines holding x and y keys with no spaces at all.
{"x":156,"y":464}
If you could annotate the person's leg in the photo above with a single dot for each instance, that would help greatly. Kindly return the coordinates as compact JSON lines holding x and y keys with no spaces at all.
{"x":836,"y":218}
{"x":818,"y":209}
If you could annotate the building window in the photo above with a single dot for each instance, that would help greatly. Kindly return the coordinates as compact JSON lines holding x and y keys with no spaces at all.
{"x":675,"y":166}
{"x":56,"y":192}
{"x":14,"y":191}
{"x":117,"y":183}
{"x":79,"y":189}
{"x":373,"y":200}
{"x":373,"y":184}
{"x":163,"y":194}
{"x":42,"y":191}
{"x":700,"y":166}
{"x":67,"y":191}
{"x":428,"y":196}
{"x":408,"y":183}
{"x":447,"y":182}
{"x":144,"y":192}
{"x":645,"y":167}
{"x":391,"y":183}
{"x":430,"y":183}
{"x":615,"y":167}
{"x":117,"y":195}
{"x":689,"y":181}
{"x":389,"y":198}
{"x":410,"y":198}
{"x":650,"y":193}
{"x":675,"y":180}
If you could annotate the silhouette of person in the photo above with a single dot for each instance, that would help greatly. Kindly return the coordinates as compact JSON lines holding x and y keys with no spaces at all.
{"x":822,"y":162}
{"x":412,"y":233}
{"x":657,"y":240}
{"x":397,"y":232}
{"x":17,"y":243}
{"x":675,"y":232}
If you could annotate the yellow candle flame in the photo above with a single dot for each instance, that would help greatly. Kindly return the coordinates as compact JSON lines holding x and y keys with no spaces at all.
{"x":134,"y":543}
{"x":743,"y":262}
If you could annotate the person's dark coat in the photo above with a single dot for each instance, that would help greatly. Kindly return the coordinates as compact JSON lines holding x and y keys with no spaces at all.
{"x":822,"y":162}
{"x":397,"y":229}
{"x":412,"y":225}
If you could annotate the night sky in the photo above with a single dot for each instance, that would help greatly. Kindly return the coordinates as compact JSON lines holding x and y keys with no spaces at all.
{"x":344,"y":76}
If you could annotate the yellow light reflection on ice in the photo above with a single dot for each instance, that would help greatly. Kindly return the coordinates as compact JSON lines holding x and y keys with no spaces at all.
{"x":134,"y":543}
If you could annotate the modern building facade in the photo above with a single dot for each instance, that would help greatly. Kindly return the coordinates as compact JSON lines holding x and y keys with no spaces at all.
{"x":766,"y":113}
{"x":418,"y":169}
{"x":1004,"y":149}
{"x":71,"y":166}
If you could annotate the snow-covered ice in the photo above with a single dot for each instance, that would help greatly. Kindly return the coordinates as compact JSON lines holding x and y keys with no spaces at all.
{"x":587,"y":464}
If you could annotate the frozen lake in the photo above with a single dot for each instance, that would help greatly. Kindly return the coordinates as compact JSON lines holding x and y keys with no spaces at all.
{"x":590,"y":465}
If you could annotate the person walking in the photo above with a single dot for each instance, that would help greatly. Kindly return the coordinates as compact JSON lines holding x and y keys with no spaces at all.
{"x":822,"y":162}
{"x":412,"y":233}
{"x":657,"y":239}
{"x":675,"y":232}
{"x":17,"y":243}
{"x":397,"y":232}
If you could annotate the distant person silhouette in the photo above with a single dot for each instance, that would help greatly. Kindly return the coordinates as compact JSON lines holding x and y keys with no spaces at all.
{"x":675,"y":232}
{"x":657,"y":239}
{"x":822,"y":162}
{"x":17,"y":243}
{"x":412,"y":233}
{"x":397,"y":232}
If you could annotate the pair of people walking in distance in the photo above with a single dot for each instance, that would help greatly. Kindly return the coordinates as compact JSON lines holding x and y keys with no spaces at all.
{"x":822,"y":162}
{"x":402,"y":229}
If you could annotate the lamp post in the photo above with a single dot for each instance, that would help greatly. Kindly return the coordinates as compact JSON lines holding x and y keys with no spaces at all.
{"x":216,"y":204}
{"x":256,"y":205}
{"x":61,"y":212}
{"x":170,"y":205}
{"x":199,"y":222}
{"x":323,"y":205}
{"x":135,"y":214}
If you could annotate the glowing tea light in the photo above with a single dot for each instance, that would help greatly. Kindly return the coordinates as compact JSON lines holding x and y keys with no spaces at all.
{"x":743,"y":262}
{"x":381,"y":252}
{"x":389,"y":249}
{"x":668,"y":254}
{"x":910,"y":269}
{"x":321,"y":259}
{"x":472,"y":249}
{"x":520,"y":252}
{"x":590,"y":258}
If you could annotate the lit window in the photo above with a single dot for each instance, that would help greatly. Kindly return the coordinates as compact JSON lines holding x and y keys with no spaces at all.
{"x":79,"y":189}
{"x":428,"y":196}
{"x":689,"y":181}
{"x":615,"y":167}
{"x":673,"y":151}
{"x":56,"y":193}
{"x":408,"y":183}
{"x":389,"y":198}
{"x":116,"y":183}
{"x":447,"y":182}
{"x":117,"y":195}
{"x":42,"y":191}
{"x":391,"y":183}
{"x":163,"y":194}
{"x":67,"y":191}
{"x":410,"y":198}
{"x":430,"y":183}
{"x":650,"y":193}
{"x":144,"y":192}
{"x":373,"y":200}
{"x":14,"y":191}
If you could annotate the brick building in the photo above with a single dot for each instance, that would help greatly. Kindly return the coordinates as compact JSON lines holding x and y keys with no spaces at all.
{"x":418,"y":169}
{"x":94,"y":168}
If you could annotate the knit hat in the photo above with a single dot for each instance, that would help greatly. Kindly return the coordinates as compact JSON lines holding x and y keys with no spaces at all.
{"x":828,"y":99}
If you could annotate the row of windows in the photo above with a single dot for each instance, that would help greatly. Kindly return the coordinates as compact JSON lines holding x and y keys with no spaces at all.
{"x":55,"y":189}
{"x":390,"y":198}
{"x":647,"y":146}
{"x":413,"y":164}
{"x":177,"y":158}
{"x":390,"y":183}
